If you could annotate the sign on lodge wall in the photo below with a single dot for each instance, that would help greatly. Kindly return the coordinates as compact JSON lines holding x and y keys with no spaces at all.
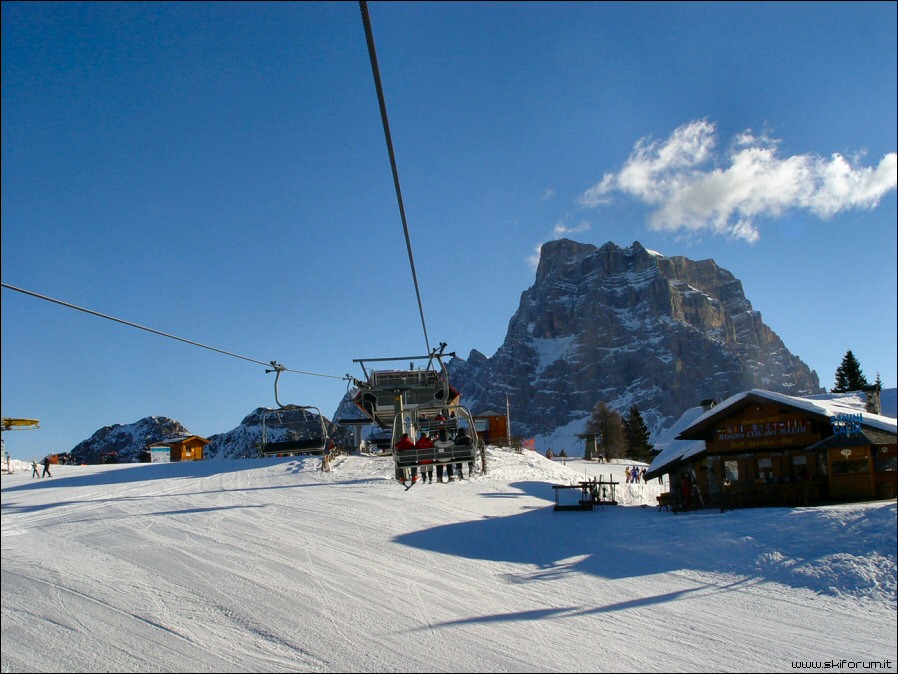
{"x":767,"y":429}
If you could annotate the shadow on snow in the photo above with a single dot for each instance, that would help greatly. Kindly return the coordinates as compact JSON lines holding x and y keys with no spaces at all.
{"x":808,"y":548}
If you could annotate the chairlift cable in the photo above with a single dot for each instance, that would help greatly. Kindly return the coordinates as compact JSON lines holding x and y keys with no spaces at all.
{"x":372,"y":54}
{"x":163,"y":334}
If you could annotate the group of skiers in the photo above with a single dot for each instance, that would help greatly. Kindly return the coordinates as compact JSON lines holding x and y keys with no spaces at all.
{"x":635,"y":474}
{"x":442,"y":442}
{"x":46,"y":463}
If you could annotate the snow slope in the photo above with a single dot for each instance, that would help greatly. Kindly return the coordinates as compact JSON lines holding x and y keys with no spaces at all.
{"x":271,"y":565}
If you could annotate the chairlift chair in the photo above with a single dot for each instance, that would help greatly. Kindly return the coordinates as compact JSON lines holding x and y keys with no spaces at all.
{"x":288,"y":430}
{"x":293,"y":429}
{"x":414,"y":401}
{"x":432,"y":420}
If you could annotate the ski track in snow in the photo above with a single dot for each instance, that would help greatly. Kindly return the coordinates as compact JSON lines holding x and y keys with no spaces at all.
{"x":271,"y":565}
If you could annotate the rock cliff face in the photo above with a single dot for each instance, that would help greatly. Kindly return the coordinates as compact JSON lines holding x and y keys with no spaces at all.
{"x":624,"y":326}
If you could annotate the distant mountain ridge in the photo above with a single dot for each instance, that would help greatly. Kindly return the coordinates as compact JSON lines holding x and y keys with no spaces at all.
{"x":611,"y":324}
{"x":241,"y":442}
{"x":127,"y":440}
{"x":624,"y":326}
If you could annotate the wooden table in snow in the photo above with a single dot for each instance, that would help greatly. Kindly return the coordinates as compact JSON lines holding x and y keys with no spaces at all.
{"x":592,"y":493}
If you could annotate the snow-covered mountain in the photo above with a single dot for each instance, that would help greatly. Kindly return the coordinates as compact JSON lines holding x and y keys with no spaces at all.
{"x":242,"y":442}
{"x":610,"y":324}
{"x":128,"y":440}
{"x":624,"y":326}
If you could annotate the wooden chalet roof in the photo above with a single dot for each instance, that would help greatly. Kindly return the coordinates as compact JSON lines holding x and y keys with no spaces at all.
{"x":169,"y":442}
{"x":695,"y":425}
{"x":822,"y":408}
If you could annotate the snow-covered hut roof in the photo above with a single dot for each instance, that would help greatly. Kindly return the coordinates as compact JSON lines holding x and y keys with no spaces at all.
{"x":681,"y":441}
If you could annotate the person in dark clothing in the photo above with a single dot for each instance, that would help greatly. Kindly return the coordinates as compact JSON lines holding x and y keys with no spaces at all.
{"x":726,"y":501}
{"x":464,"y":440}
{"x":46,"y":463}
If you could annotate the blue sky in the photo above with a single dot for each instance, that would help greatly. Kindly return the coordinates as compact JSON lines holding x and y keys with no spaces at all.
{"x":219,"y":172}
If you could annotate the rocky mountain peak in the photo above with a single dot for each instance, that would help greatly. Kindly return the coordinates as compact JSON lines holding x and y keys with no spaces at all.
{"x":127,"y":440}
{"x":624,"y":326}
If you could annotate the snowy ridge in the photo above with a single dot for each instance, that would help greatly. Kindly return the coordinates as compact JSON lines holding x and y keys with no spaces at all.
{"x":551,"y":350}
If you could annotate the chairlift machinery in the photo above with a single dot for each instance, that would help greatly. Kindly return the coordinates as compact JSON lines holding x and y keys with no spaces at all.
{"x":414,"y":401}
{"x":12,"y":424}
{"x":385,"y":392}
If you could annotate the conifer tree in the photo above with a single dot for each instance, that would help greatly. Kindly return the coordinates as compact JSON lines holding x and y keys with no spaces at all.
{"x":610,"y":432}
{"x":849,"y":376}
{"x":639,"y":447}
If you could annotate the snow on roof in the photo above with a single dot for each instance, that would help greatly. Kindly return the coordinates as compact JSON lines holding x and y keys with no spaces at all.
{"x":674,"y":449}
{"x":176,"y":439}
{"x":825,"y":404}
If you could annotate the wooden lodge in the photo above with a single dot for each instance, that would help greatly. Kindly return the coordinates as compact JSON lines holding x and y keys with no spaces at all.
{"x":183,"y":448}
{"x":492,"y":427}
{"x":763,"y":448}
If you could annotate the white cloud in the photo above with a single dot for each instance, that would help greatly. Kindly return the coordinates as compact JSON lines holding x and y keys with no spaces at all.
{"x":560,"y":230}
{"x":533,"y":259}
{"x":751,"y":182}
{"x":547,"y":194}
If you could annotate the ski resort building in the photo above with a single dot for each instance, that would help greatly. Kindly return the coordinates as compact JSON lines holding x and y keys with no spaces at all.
{"x":764,"y":448}
{"x":492,"y":427}
{"x":182,"y":448}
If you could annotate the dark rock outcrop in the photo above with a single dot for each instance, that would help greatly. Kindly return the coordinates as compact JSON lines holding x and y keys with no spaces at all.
{"x":624,"y":326}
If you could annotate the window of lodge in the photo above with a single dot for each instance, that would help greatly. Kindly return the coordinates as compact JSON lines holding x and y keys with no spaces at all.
{"x":731,"y":470}
{"x":884,"y":461}
{"x":851,"y":465}
{"x":799,"y":466}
